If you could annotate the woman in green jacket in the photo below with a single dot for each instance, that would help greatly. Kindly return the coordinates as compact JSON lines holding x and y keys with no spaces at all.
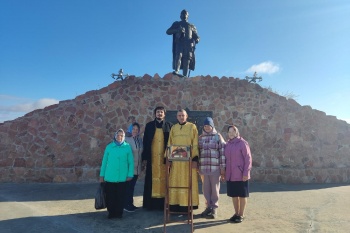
{"x":117,"y":168}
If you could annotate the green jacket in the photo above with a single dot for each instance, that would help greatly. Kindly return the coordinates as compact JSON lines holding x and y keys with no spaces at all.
{"x":117,"y":163}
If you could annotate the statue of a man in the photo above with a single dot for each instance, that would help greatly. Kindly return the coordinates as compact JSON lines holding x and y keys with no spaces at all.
{"x":185,"y":38}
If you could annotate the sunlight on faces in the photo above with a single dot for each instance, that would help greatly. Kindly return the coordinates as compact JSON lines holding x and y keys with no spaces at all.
{"x":232,"y":133}
{"x":181,"y":117}
{"x":119,"y":137}
{"x":160,"y":114}
{"x":207,"y":128}
{"x":135,"y":130}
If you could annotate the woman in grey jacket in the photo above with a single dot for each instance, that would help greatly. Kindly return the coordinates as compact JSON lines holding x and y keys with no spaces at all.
{"x":135,"y":142}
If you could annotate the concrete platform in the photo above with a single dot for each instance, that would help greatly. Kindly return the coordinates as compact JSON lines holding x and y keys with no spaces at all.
{"x":69,"y":208}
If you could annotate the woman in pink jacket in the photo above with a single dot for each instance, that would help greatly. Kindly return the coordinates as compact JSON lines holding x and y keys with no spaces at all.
{"x":238,"y":165}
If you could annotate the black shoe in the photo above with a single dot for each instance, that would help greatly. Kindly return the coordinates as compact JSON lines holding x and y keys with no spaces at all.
{"x":134,"y":207}
{"x":233,"y":218}
{"x":206,"y":212}
{"x":239,"y":219}
{"x":213,"y":214}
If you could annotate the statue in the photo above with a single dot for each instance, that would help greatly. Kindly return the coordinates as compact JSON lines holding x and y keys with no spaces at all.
{"x":185,"y":38}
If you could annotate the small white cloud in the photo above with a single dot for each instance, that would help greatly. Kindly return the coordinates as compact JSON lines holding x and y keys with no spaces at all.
{"x":267,"y":67}
{"x":12,"y":107}
{"x":29,"y":106}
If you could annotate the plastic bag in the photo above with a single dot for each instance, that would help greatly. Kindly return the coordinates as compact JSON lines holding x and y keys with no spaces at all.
{"x":100,"y":197}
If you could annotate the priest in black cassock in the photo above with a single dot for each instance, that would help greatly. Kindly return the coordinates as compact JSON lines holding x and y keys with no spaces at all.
{"x":155,"y":140}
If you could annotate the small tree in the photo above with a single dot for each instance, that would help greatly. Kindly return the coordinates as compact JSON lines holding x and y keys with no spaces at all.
{"x":288,"y":94}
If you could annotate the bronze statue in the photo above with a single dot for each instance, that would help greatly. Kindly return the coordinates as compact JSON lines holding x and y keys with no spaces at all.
{"x":185,"y":38}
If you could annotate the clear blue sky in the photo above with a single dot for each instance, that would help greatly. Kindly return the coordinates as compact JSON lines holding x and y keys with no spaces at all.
{"x":52,"y":50}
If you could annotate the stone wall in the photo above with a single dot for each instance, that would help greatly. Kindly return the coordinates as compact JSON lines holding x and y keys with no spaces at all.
{"x":65,"y":142}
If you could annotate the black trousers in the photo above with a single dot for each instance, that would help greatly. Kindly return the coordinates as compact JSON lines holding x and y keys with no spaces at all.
{"x":115,"y":196}
{"x":129,"y":193}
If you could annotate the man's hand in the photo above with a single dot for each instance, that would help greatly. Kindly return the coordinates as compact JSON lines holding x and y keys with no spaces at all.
{"x":102,"y":179}
{"x":245,"y":178}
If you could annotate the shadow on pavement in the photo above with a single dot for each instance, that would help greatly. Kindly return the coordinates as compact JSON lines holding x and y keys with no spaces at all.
{"x":261,"y":187}
{"x":80,"y":191}
{"x":139,"y":221}
{"x":53,"y":208}
{"x":48,"y":191}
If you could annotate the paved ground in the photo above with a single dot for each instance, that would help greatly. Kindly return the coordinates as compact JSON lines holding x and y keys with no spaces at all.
{"x":69,"y":208}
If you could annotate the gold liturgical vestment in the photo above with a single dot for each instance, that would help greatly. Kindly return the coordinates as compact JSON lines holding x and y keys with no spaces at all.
{"x":158,"y":166}
{"x":186,"y":135}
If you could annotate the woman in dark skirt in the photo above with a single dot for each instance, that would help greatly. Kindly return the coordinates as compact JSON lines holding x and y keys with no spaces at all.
{"x":238,"y":165}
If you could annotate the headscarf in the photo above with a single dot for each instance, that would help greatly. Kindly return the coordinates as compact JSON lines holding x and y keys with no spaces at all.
{"x":115,"y":141}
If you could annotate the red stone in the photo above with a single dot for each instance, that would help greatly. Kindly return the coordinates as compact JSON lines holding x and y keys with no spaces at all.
{"x":19,"y":162}
{"x":168,"y":76}
{"x":147,"y":77}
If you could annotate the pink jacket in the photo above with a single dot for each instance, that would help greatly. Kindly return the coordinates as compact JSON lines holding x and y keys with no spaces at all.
{"x":238,"y":159}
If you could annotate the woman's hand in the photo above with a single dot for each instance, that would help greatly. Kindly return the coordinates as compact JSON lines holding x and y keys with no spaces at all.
{"x":168,"y":163}
{"x":102,"y":179}
{"x":222,"y":176}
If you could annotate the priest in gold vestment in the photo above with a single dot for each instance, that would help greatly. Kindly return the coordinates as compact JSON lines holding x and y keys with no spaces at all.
{"x":154,"y":143}
{"x":186,"y":134}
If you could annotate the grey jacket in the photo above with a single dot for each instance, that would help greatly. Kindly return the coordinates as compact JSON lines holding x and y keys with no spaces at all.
{"x":137,"y":148}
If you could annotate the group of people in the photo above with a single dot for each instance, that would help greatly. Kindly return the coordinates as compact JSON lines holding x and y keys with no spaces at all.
{"x":211,"y":156}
